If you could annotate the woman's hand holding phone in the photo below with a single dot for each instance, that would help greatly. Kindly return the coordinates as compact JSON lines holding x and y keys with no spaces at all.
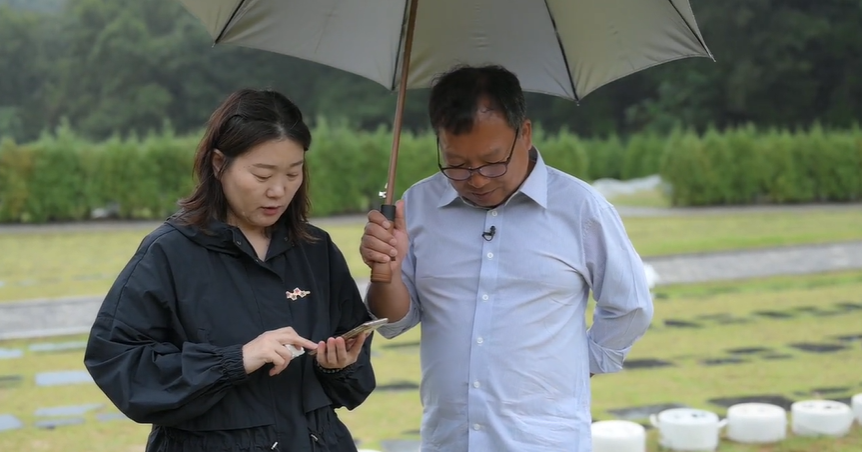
{"x":338,"y":353}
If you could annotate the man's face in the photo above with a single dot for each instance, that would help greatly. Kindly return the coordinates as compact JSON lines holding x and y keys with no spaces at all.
{"x":491,"y":140}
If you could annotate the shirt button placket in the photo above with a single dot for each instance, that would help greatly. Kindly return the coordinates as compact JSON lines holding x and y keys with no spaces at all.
{"x":479,"y":361}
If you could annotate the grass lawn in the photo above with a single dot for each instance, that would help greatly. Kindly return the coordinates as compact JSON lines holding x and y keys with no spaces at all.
{"x":61,"y":264}
{"x":711,"y":232}
{"x":693,"y":324}
{"x":54,"y":264}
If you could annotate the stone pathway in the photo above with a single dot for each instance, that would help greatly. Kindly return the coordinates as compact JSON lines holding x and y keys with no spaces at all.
{"x":48,"y":317}
{"x":74,"y":315}
{"x":54,"y":317}
{"x":743,"y":264}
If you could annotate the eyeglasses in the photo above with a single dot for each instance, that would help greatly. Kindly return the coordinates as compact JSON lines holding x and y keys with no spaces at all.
{"x":490,"y":170}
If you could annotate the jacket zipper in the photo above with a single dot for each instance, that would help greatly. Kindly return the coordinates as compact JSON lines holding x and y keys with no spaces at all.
{"x":270,"y":384}
{"x":314,"y":437}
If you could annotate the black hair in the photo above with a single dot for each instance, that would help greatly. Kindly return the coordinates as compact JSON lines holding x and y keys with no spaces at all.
{"x":456,"y":95}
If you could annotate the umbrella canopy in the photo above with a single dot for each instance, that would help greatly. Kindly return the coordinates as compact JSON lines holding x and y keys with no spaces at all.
{"x":565,"y":48}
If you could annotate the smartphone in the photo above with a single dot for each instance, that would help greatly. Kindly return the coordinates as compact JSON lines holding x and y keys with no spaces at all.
{"x":365,"y":327}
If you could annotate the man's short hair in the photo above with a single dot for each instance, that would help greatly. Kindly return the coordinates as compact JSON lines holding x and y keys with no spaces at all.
{"x":456,"y":95}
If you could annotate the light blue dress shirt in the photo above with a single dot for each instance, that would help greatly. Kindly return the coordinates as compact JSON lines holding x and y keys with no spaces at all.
{"x":505,"y":351}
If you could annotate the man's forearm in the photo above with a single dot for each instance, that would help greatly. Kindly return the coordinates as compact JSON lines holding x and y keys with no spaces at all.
{"x":390,"y":300}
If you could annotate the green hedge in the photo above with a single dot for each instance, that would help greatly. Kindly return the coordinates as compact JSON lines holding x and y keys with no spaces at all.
{"x":744,"y":166}
{"x":61,"y":177}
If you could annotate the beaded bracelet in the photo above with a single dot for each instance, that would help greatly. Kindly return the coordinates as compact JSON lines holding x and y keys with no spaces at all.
{"x":330,"y":371}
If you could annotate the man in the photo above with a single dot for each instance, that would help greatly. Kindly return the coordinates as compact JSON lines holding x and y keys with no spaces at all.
{"x":496,"y":256}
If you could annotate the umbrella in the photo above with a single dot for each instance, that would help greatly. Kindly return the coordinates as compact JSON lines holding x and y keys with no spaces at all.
{"x":563,"y":48}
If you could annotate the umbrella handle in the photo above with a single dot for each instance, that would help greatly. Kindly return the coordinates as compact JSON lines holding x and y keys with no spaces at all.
{"x":381,"y":272}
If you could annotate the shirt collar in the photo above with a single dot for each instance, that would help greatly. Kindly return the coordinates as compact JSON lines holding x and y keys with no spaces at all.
{"x":534,"y":187}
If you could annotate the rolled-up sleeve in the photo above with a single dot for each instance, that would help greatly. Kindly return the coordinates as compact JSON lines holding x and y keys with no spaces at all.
{"x":624,"y":307}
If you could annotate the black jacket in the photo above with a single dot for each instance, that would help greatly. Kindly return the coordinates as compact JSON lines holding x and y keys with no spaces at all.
{"x":166,"y":345}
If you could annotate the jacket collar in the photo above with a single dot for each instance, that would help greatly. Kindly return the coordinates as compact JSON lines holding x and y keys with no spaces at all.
{"x":222,"y":237}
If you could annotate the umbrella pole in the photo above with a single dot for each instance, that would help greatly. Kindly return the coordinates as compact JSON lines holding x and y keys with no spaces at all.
{"x":382,"y":272}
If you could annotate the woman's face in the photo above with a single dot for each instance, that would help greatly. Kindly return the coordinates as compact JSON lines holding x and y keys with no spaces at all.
{"x":260,"y":184}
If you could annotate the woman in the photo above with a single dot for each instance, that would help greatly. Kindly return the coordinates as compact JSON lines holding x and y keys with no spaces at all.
{"x":193,"y":336}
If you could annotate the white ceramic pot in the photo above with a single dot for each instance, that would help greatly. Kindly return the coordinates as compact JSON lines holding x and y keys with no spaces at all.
{"x":618,"y":436}
{"x":688,"y":430}
{"x":856,"y":403}
{"x":756,"y":423}
{"x":821,"y":417}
